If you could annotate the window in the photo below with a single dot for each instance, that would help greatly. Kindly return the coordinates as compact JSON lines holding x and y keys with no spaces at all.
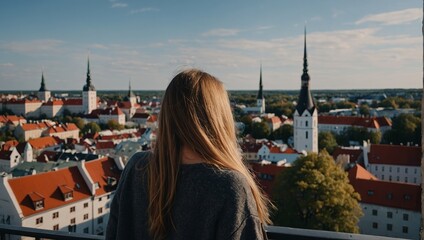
{"x":86,"y":216}
{"x":406,"y":179}
{"x":374,"y":212}
{"x":72,"y":220}
{"x":72,"y":228}
{"x":389,"y":227}
{"x":382,"y":177}
{"x":389,"y":215}
{"x":397,"y":178}
{"x":405,"y":217}
{"x":390,"y":178}
{"x":39,"y":205}
{"x":68,"y":196}
{"x":56,"y":227}
{"x":390,"y":169}
{"x":72,"y":209}
{"x":86,"y":230}
{"x":415,"y":171}
{"x":398,"y":169}
{"x":100,"y":220}
{"x":376,"y":168}
{"x":390,"y":196}
{"x":306,"y":123}
{"x":382,"y":168}
{"x":406,"y":197}
{"x":370,"y":192}
{"x":406,"y":170}
{"x":415,"y":180}
{"x":405,"y":229}
{"x":100,"y":210}
{"x":375,"y":225}
{"x":100,"y":199}
{"x":39,"y":220}
{"x":55,"y":214}
{"x":86,"y":205}
{"x":306,"y":134}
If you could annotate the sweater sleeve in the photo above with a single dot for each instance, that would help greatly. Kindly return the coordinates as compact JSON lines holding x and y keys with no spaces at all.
{"x":114,"y":223}
{"x":239,"y":218}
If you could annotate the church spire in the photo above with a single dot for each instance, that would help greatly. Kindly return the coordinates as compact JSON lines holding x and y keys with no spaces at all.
{"x":260,"y":93}
{"x":43,"y":84}
{"x":305,"y":102}
{"x":305,"y":75}
{"x":130,"y":92}
{"x":89,"y":85}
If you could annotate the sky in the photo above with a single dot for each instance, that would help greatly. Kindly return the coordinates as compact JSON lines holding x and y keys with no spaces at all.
{"x":361,"y":44}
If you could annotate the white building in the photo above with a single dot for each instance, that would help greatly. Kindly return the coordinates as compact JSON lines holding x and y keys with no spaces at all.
{"x":89,"y":94}
{"x":390,"y":209}
{"x":338,"y":124}
{"x":74,"y":199}
{"x":277,"y":153}
{"x":9,"y":159}
{"x":306,"y":115}
{"x":393,"y":163}
{"x":260,"y":100}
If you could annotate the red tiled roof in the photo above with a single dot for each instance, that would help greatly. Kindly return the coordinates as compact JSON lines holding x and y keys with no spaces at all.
{"x":270,"y":171}
{"x":11,"y":118}
{"x":276,"y":149}
{"x":105,"y":145}
{"x":366,"y":122}
{"x":274,"y":120}
{"x":249,"y":147}
{"x":73,"y":101}
{"x":395,"y":155}
{"x":152,"y":118}
{"x":9,"y":144}
{"x":35,"y":126}
{"x":389,"y":194}
{"x":353,"y":153}
{"x":124,"y":105}
{"x":43,"y":142}
{"x":23,"y":101}
{"x":46,"y":185}
{"x":99,"y":171}
{"x":63,"y":128}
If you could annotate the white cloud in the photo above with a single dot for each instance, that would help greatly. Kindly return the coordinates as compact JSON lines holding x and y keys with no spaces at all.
{"x":142,"y":10}
{"x":7,"y":65}
{"x":119,"y":5}
{"x":394,"y":18}
{"x":32,"y":46}
{"x":221,"y":32}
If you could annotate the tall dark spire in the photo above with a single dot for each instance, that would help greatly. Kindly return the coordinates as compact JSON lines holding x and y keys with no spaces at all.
{"x":305,"y":75}
{"x":305,"y":102}
{"x":130,"y":92}
{"x":89,"y":85}
{"x":43,"y":84}
{"x":260,"y":92}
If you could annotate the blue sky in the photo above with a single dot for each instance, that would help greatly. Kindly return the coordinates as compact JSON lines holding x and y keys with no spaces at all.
{"x":351,"y":44}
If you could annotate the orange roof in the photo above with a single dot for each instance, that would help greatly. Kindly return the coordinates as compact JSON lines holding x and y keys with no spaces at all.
{"x":152,"y":118}
{"x":12,"y":118}
{"x":9,"y":144}
{"x":395,"y":155}
{"x":35,"y":126}
{"x":276,"y":149}
{"x":274,"y":120}
{"x":43,"y":142}
{"x":359,"y":172}
{"x":36,"y":197}
{"x":46,"y":184}
{"x":366,"y":122}
{"x":389,"y":194}
{"x":63,"y":128}
{"x":102,"y":169}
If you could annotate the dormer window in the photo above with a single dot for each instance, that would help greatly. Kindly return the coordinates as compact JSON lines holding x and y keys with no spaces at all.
{"x":67,"y":192}
{"x":37,"y":200}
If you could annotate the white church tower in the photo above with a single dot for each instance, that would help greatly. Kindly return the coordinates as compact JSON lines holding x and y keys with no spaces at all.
{"x":260,"y":101}
{"x":306,"y":114}
{"x":89,"y":94}
{"x":43,"y":94}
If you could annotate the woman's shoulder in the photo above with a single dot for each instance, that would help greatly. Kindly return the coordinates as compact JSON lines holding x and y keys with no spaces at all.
{"x":139,"y":160}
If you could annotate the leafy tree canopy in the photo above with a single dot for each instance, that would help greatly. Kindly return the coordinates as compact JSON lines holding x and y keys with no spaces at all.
{"x":315,"y":193}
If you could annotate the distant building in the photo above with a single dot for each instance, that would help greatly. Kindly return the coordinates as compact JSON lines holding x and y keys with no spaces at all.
{"x":260,"y":100}
{"x":306,"y":114}
{"x":43,"y":94}
{"x":89,"y":94}
{"x":338,"y":124}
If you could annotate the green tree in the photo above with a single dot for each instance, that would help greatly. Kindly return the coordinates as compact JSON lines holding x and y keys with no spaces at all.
{"x":247,"y":120}
{"x":327,"y":141}
{"x":91,"y":127}
{"x":406,"y":128}
{"x":260,"y":130}
{"x":283,"y":133}
{"x":357,"y":134}
{"x":364,"y":110}
{"x":79,"y":122}
{"x":315,"y":193}
{"x":114,"y":125}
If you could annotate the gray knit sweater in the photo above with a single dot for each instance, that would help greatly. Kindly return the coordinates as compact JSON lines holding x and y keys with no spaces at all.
{"x":209,"y":204}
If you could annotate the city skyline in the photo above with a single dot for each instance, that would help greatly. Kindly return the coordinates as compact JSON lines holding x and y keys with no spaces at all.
{"x":376,"y":44}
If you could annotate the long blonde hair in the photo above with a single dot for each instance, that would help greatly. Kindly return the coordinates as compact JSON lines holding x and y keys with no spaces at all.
{"x":195,"y":112}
